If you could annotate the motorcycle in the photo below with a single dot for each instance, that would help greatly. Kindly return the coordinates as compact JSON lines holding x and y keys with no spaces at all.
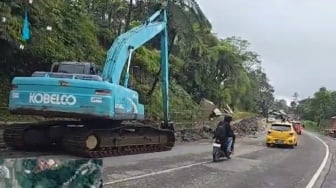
{"x":217,"y":151}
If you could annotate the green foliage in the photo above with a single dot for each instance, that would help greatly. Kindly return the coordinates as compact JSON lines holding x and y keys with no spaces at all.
{"x":311,"y":125}
{"x":149,"y":60}
{"x":319,"y":108}
{"x":243,"y":115}
{"x":181,"y":103}
{"x":281,"y":105}
{"x":184,"y":107}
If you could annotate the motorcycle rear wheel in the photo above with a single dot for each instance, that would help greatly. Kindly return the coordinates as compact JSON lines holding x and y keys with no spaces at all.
{"x":216,"y":154}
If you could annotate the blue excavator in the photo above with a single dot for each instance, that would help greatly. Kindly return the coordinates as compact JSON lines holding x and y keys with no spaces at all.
{"x":106,"y":117}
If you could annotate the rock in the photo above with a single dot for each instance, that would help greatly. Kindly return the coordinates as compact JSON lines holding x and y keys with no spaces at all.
{"x":193,"y":134}
{"x":207,"y":128}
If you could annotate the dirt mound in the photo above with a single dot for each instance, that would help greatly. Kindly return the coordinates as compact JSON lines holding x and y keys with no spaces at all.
{"x":242,"y":128}
{"x":249,"y":126}
{"x":189,"y":135}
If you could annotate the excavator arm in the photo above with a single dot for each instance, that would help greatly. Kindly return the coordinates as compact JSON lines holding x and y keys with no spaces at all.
{"x":121,"y":51}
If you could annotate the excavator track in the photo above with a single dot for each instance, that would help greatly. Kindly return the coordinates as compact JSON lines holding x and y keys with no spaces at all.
{"x":28,"y":136}
{"x":13,"y":135}
{"x":89,"y":141}
{"x":124,"y":140}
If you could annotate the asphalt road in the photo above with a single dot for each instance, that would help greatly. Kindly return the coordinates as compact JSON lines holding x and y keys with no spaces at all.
{"x":190,"y":165}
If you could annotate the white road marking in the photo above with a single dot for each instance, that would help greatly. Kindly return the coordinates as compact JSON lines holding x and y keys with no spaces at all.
{"x":155,"y":173}
{"x":324,"y":162}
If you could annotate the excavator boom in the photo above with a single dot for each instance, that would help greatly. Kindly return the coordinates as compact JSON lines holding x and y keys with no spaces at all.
{"x":125,"y":44}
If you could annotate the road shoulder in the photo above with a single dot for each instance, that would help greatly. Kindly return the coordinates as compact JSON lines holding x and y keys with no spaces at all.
{"x":327,"y":177}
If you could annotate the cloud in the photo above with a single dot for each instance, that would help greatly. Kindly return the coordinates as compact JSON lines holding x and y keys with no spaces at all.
{"x":287,"y":99}
{"x":296,"y":39}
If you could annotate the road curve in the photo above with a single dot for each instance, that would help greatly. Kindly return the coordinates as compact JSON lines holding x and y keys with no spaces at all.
{"x":190,"y":165}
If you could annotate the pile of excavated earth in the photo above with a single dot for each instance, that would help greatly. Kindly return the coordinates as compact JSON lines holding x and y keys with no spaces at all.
{"x":245,"y":127}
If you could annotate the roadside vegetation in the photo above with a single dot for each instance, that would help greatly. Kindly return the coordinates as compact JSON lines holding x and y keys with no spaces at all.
{"x":312,"y":126}
{"x":318,"y":109}
{"x":316,"y":112}
{"x":243,"y":115}
{"x":224,"y":71}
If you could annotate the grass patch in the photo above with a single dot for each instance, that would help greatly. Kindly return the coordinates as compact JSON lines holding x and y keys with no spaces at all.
{"x":243,"y":115}
{"x":311,"y":125}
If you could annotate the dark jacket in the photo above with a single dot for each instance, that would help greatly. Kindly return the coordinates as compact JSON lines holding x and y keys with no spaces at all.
{"x":220,"y":132}
{"x":223,"y":130}
{"x":229,"y":129}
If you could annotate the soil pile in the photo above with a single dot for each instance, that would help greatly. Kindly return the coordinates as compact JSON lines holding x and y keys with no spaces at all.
{"x":245,"y":127}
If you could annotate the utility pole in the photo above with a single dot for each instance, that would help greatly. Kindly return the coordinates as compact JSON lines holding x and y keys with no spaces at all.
{"x":295,"y":99}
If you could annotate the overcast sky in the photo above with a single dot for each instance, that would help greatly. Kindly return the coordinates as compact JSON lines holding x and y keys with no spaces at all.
{"x":296,"y":39}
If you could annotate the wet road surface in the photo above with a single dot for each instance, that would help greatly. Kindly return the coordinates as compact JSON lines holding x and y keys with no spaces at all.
{"x":190,"y":165}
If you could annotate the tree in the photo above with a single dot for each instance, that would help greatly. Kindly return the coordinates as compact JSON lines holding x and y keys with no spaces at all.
{"x":319,"y":108}
{"x":280,"y":104}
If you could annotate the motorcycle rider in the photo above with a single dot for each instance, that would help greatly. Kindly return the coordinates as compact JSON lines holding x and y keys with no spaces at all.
{"x":224,"y":133}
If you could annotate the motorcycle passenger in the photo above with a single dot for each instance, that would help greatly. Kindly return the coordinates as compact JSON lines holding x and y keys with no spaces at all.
{"x":233,"y":142}
{"x":227,"y":120}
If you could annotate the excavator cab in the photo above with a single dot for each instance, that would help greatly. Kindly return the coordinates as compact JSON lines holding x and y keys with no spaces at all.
{"x":76,"y":68}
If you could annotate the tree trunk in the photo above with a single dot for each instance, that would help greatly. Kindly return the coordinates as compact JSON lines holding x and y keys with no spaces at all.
{"x":119,"y":28}
{"x":129,"y":15}
{"x":158,"y":74}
